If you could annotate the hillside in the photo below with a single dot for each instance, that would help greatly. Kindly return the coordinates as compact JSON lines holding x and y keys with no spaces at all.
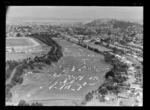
{"x":112,"y":22}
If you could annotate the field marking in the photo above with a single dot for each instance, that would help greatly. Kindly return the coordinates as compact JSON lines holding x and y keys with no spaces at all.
{"x":62,"y":86}
{"x":72,"y":81}
{"x":92,"y":84}
{"x":84,"y":83}
{"x":65,"y":80}
{"x":72,"y":89}
{"x":82,"y":68}
{"x":53,"y":85}
{"x":73,"y":68}
{"x":68,"y":86}
{"x":79,"y":87}
{"x":80,"y":78}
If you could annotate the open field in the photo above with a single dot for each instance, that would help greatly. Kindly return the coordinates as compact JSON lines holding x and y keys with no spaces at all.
{"x":78,"y":72}
{"x":14,"y":42}
{"x":23,"y":55}
{"x":17,"y":56}
{"x":25,"y":48}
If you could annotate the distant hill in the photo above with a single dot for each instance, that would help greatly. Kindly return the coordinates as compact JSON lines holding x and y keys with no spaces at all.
{"x":74,"y":22}
{"x":112,"y":23}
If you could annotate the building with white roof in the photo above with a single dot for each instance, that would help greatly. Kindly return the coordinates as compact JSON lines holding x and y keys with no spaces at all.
{"x":131,"y":68}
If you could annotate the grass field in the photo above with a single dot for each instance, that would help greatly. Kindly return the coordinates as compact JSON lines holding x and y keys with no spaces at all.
{"x":20,"y":42}
{"x":46,"y":87}
{"x":24,"y":44}
{"x":16,"y":57}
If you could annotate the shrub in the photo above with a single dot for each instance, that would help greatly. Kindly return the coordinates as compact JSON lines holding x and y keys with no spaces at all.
{"x":89,"y":96}
{"x":110,"y":73}
{"x":36,"y":104}
{"x":8,"y":95}
{"x":103,"y":91}
{"x":17,"y":79}
{"x":8,"y":92}
{"x":23,"y":103}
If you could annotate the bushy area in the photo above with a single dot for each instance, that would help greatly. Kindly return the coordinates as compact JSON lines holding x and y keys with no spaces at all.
{"x":114,"y":78}
{"x":54,"y":54}
{"x":8,"y":92}
{"x":24,"y":103}
{"x":88,"y":96}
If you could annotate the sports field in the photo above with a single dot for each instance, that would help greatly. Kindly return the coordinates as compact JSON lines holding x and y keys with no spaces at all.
{"x":25,"y":47}
{"x":20,"y":42}
{"x":18,"y":56}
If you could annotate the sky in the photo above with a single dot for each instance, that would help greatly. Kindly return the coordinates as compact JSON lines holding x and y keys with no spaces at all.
{"x":91,"y":12}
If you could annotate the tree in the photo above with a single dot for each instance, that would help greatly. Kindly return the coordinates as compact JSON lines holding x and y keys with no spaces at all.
{"x":109,"y":32}
{"x":36,"y":104}
{"x":8,"y":95}
{"x":110,"y":73}
{"x":8,"y":92}
{"x":18,"y":35}
{"x":102,"y":91}
{"x":120,"y":79}
{"x":89,"y":96}
{"x":23,"y":103}
{"x":96,"y":50}
{"x":108,"y":58}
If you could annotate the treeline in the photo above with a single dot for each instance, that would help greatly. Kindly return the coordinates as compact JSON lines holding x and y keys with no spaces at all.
{"x":54,"y":54}
{"x":116,"y":77}
{"x":8,"y":94}
{"x":17,"y":77}
{"x":91,"y":48}
{"x":24,"y":103}
{"x":124,"y":25}
{"x":11,"y":64}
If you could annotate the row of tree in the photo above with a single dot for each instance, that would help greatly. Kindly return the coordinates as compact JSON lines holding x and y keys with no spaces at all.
{"x":114,"y":78}
{"x":24,"y":103}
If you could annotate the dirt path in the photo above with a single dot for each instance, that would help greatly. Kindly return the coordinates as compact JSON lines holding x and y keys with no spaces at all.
{"x":12,"y":74}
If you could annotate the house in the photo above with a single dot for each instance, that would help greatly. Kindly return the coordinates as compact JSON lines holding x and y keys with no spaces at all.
{"x":140,"y":58}
{"x":117,"y":56}
{"x":104,"y":43}
{"x":131,"y":68}
{"x":123,"y":95}
{"x":128,"y":62}
{"x":110,"y":97}
{"x":88,"y":40}
{"x":115,"y":43}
